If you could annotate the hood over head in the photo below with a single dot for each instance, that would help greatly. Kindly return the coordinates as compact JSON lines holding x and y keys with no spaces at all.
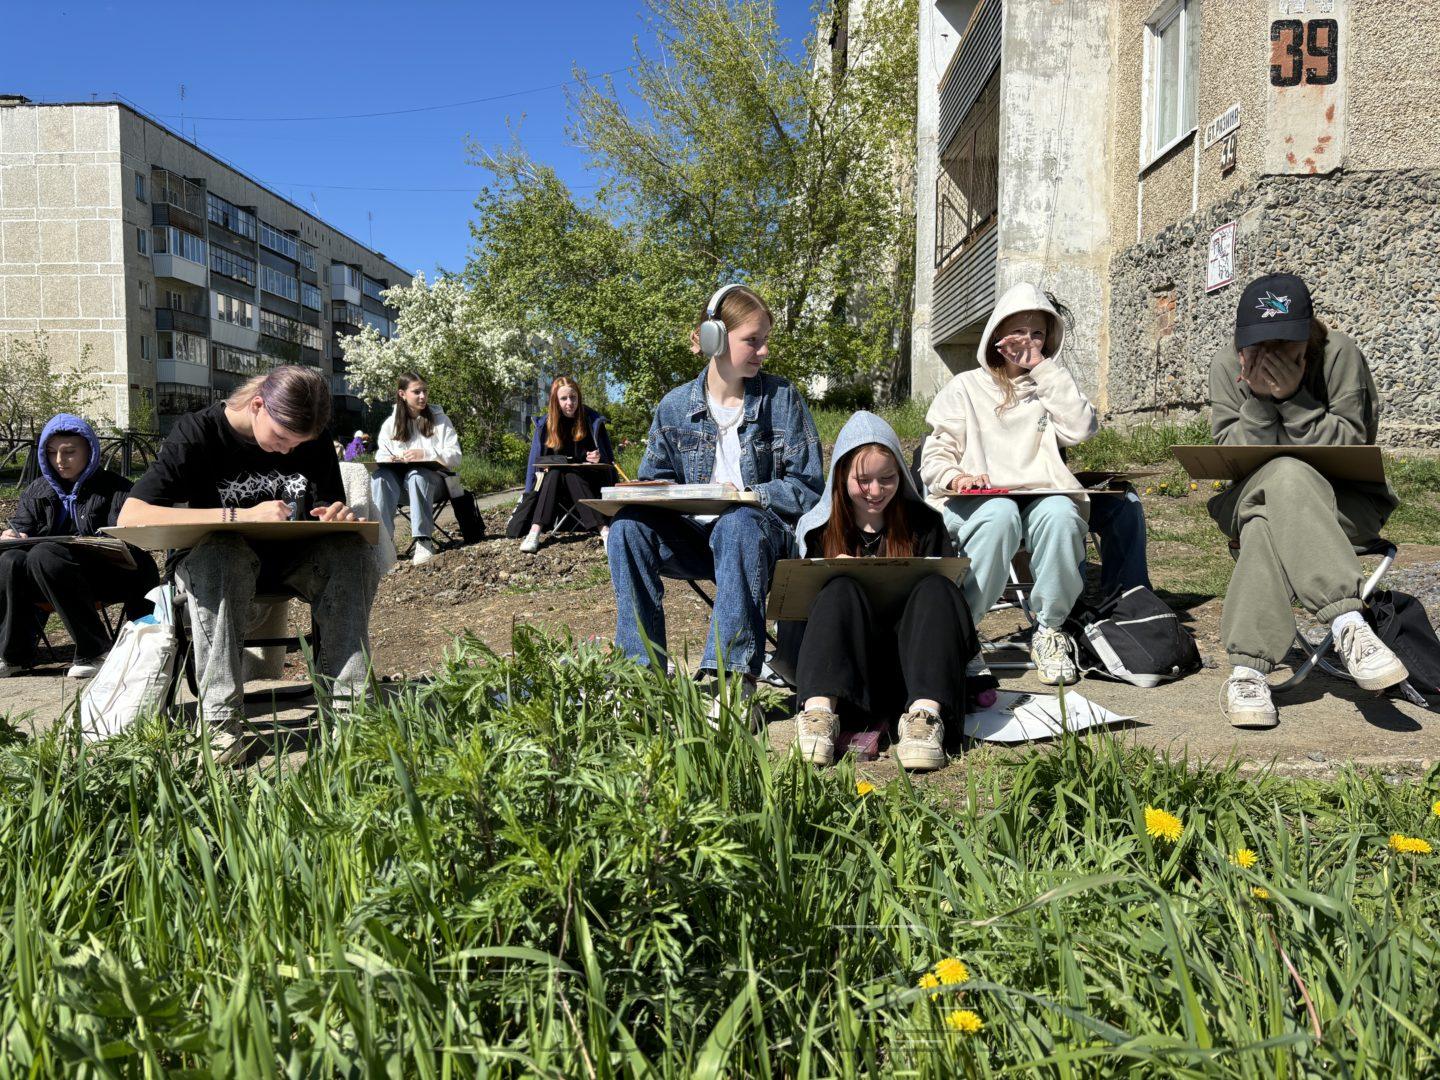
{"x":1018,"y":298}
{"x":66,"y":424}
{"x":860,"y":430}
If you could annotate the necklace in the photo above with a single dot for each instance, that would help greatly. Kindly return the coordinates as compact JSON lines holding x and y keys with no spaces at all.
{"x":727,"y":425}
{"x":870,"y":542}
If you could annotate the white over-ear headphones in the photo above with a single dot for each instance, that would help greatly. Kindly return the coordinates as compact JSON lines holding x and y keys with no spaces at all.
{"x":713,"y":331}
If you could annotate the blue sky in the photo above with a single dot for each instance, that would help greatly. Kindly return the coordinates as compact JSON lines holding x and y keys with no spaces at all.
{"x":264,"y":60}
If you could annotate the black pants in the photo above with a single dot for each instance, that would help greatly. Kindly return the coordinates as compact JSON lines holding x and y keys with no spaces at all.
{"x":879,"y":665}
{"x":560,"y":490}
{"x":71,"y":580}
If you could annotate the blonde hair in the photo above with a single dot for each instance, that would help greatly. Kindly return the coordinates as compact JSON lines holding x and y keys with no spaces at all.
{"x":297,"y":398}
{"x":739,"y":304}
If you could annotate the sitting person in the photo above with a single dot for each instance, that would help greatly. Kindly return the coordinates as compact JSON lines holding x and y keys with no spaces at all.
{"x":73,"y":496}
{"x":1003,"y":425}
{"x":357,"y":447}
{"x":1287,"y":379}
{"x":572,"y":432}
{"x":260,"y":455}
{"x":1119,"y":523}
{"x":732,"y":425}
{"x":416,"y":431}
{"x":909,"y":662}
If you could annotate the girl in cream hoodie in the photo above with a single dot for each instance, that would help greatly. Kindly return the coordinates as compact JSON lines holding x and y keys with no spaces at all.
{"x":1002,"y":425}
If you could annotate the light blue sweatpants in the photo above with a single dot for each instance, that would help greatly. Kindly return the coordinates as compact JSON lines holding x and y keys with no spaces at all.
{"x":990,"y":529}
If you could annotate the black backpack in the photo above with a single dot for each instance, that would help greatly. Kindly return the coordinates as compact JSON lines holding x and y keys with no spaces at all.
{"x":1135,"y":636}
{"x":467,"y":516}
{"x":1401,"y":623}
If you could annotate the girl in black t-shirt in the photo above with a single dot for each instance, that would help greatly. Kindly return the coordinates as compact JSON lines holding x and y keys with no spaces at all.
{"x":261,"y":455}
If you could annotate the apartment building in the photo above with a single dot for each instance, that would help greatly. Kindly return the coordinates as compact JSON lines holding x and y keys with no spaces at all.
{"x":174,"y":275}
{"x":1143,"y":159}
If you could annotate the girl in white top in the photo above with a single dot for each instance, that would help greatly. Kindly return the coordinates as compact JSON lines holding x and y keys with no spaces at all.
{"x":1002,"y":425}
{"x":415,"y":432}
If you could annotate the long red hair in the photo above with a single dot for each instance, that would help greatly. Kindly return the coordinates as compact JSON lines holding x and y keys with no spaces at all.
{"x":842,"y":534}
{"x":556,"y":418}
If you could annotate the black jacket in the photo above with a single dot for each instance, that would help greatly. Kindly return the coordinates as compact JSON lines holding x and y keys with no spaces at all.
{"x":98,"y":506}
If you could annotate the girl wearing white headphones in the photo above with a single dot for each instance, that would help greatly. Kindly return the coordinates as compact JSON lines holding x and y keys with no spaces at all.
{"x":733,"y":424}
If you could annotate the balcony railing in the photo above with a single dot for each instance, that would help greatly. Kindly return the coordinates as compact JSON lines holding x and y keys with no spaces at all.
{"x":347,"y":315}
{"x":187,"y":322}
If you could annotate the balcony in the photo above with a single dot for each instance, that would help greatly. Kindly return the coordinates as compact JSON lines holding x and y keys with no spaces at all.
{"x":185,"y":321}
{"x":165,"y":214}
{"x":183,"y":372}
{"x":234,"y":335}
{"x":347,"y":315}
{"x":179,"y":268}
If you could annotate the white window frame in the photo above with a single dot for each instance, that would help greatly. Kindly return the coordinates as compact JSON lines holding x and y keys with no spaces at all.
{"x":142,"y":240}
{"x":1161,"y":19}
{"x":145,"y":295}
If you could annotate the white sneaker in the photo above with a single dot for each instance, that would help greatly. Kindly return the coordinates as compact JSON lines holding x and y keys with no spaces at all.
{"x":86,"y":669}
{"x":754,"y":716}
{"x":1245,"y":701}
{"x":816,"y":731}
{"x":922,"y":741}
{"x":424,"y":552}
{"x":1370,"y":662}
{"x":1051,"y":653}
{"x":7,"y":669}
{"x":229,"y":741}
{"x":531,"y":544}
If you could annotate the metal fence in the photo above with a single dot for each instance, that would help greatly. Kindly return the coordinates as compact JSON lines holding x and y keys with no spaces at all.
{"x":126,"y":453}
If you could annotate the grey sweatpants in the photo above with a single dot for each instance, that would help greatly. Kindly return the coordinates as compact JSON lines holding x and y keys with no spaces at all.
{"x":1298,"y":538}
{"x":221,"y":575}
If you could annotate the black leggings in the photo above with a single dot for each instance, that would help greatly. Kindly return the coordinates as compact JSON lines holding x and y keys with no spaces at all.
{"x":880,"y":665}
{"x":562,"y":489}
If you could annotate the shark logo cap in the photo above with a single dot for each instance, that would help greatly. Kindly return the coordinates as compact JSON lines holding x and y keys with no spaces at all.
{"x":1275,"y":307}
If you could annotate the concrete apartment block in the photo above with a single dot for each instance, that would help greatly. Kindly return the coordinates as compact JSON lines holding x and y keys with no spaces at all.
{"x":167,"y":271}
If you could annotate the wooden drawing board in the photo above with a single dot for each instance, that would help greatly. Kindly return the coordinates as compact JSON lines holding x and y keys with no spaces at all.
{"x":887,"y":582}
{"x":113,"y":550}
{"x":161,"y":537}
{"x":1098,"y":478}
{"x":611,"y":507}
{"x":434,"y":466}
{"x":1356,"y":463}
{"x":573,"y":465}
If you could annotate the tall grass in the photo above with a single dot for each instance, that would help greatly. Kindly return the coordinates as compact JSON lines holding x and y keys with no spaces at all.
{"x":550,"y":865}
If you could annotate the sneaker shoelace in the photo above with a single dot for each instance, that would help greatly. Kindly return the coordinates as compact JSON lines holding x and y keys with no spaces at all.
{"x":1247,"y":691}
{"x":1365,"y":644}
{"x":1052,"y":647}
{"x":918,"y":725}
{"x":816,"y":721}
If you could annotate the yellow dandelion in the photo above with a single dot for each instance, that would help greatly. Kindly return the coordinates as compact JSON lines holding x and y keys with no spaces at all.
{"x":1164,"y":484}
{"x":1244,"y":858}
{"x":863,"y":787}
{"x":952,"y":971}
{"x":1149,"y":491}
{"x":1259,"y":892}
{"x":1162,"y":824}
{"x":1194,"y":486}
{"x":964,"y":1021}
{"x":1216,"y":485}
{"x":1409,"y":845}
{"x":928,"y":981}
{"x":1435,"y":808}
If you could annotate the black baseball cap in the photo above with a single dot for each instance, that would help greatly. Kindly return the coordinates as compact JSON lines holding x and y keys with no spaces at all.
{"x":1275,"y":307}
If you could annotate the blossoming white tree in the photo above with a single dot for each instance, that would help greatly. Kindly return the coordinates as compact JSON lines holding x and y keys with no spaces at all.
{"x":474,"y":365}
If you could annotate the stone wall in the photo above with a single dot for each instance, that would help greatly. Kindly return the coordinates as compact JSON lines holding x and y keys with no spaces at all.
{"x":1368,"y":244}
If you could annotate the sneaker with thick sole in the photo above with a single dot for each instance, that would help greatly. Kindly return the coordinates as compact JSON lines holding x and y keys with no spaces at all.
{"x":1052,"y":653}
{"x":754,"y":714}
{"x":229,"y":741}
{"x":1368,"y":659}
{"x":7,"y":669}
{"x":922,"y":741}
{"x":1246,"y":703}
{"x":816,"y":731}
{"x":85,"y":669}
{"x":531,"y":544}
{"x":424,"y":552}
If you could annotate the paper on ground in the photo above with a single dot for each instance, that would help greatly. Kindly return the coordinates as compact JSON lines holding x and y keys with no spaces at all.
{"x":1016,"y":718}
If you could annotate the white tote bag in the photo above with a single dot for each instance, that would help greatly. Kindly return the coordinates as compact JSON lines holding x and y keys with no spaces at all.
{"x":134,"y":678}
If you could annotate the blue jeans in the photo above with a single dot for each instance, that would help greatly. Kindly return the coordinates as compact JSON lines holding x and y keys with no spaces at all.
{"x":989,"y":531}
{"x":1119,"y":522}
{"x":424,"y":488}
{"x":737,"y":551}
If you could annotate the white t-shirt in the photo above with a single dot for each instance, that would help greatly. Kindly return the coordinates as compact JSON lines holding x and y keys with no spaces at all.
{"x":727,"y":452}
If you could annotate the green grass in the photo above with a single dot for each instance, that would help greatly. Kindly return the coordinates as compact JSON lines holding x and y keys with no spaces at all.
{"x":908,"y":420}
{"x":483,"y":475}
{"x":549,"y":865}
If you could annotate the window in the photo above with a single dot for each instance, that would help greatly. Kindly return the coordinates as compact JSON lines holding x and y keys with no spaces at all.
{"x":140,"y":186}
{"x":144,"y":294}
{"x":340,"y":274}
{"x":232,"y":264}
{"x":968,"y":182}
{"x":174,"y":301}
{"x":233,"y":310}
{"x":144,"y":348}
{"x":278,"y":241}
{"x":373,"y":289}
{"x":184,"y":347}
{"x":310,"y":297}
{"x":278,"y":326}
{"x":172,"y":399}
{"x":142,"y":240}
{"x":273,"y":281}
{"x":173,"y":241}
{"x":307,"y":256}
{"x":1169,"y":81}
{"x":379,"y":322}
{"x":235,"y":361}
{"x":229,"y":216}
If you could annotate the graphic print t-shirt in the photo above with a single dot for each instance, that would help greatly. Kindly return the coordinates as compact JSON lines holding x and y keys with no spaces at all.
{"x":204,"y":463}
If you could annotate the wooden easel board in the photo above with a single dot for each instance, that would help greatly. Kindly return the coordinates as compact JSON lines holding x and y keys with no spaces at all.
{"x":112,"y":550}
{"x":611,"y":507}
{"x":1355,"y":463}
{"x":161,"y":537}
{"x":887,"y":582}
{"x":582,"y":465}
{"x":405,"y":466}
{"x":1097,"y":478}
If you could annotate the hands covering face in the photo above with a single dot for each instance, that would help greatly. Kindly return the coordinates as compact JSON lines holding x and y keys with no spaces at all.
{"x":1022,"y":348}
{"x":1272,"y":372}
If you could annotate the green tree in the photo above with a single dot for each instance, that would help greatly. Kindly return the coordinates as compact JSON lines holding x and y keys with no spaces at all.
{"x":740,"y":163}
{"x":33,"y":389}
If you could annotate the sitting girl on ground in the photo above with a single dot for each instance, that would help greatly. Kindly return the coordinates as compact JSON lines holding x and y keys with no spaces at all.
{"x":878,"y":664}
{"x":570,"y":432}
{"x":1002,"y":425}
{"x":1287,"y":379}
{"x":734,"y":425}
{"x":415,"y":432}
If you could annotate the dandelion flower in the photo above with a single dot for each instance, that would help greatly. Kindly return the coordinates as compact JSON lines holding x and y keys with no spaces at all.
{"x":1435,"y":808}
{"x":928,"y":981}
{"x":1194,"y":486}
{"x":1409,"y":845}
{"x":863,"y":787}
{"x":1244,"y":858}
{"x":1162,"y":824}
{"x":952,"y":971}
{"x":1259,"y":892}
{"x":964,"y":1021}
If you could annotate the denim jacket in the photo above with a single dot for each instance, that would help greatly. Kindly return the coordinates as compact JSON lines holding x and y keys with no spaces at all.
{"x":780,"y":457}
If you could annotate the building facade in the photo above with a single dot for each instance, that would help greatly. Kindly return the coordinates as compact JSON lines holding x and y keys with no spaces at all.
{"x":168,"y":272}
{"x":1144,"y":159}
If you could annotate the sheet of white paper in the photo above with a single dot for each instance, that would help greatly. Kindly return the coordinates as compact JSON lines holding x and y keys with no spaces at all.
{"x":1017,"y":718}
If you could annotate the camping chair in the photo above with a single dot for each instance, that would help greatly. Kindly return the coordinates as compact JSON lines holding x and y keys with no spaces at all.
{"x":441,"y":501}
{"x":767,"y":673}
{"x":44,"y":611}
{"x":184,"y":649}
